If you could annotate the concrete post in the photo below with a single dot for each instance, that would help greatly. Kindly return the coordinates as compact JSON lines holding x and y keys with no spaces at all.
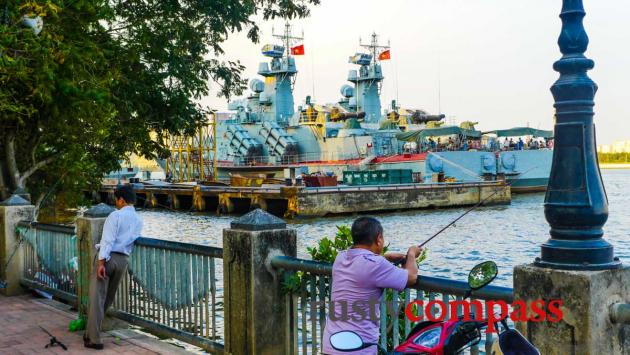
{"x":12,"y":210}
{"x":258,"y":201}
{"x":587,"y":296}
{"x":175,"y":205}
{"x":198,"y":201}
{"x":89,"y":232}
{"x":225,"y":204}
{"x":257,"y":314}
{"x":291,"y":194}
{"x":151,"y":200}
{"x":292,"y":175}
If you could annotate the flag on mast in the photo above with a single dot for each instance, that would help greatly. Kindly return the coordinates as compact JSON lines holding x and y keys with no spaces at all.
{"x":384,"y":55}
{"x":297,"y":50}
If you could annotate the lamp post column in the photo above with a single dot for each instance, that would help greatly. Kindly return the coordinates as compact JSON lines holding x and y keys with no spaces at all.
{"x":577,"y":269}
{"x":576,"y":206}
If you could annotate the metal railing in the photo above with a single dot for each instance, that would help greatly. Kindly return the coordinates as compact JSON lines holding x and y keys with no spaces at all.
{"x":311,"y":297}
{"x":176,"y":290}
{"x":313,"y":157}
{"x":49,"y":254}
{"x":171,"y":289}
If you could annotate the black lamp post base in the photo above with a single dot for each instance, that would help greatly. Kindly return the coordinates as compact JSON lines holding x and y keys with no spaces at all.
{"x":582,"y":255}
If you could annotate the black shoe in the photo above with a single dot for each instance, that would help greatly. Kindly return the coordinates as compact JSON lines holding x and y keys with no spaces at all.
{"x":87,"y":344}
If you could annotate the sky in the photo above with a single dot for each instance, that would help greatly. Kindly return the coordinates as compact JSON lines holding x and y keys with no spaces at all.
{"x":488,"y":61}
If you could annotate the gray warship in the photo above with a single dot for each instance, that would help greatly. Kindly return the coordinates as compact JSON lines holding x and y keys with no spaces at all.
{"x":266,"y":133}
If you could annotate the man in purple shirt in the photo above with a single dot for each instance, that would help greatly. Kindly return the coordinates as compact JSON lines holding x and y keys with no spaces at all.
{"x":358,"y":278}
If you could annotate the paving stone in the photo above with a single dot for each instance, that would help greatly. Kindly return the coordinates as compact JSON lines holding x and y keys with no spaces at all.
{"x":20,"y":333}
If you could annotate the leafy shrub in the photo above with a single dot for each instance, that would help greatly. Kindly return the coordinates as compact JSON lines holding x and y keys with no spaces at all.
{"x":327,"y":250}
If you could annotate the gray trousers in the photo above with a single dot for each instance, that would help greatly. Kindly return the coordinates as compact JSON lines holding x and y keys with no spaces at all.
{"x":102,"y":292}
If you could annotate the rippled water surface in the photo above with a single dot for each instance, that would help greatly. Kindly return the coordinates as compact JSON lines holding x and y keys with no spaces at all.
{"x":509,"y":235}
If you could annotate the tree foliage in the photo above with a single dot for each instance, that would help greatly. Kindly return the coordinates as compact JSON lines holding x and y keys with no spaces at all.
{"x":104,"y":74}
{"x":612,"y":158}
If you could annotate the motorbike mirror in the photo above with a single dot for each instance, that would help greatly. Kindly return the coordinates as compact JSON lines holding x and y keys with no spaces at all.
{"x":346,"y":341}
{"x":482,"y":274}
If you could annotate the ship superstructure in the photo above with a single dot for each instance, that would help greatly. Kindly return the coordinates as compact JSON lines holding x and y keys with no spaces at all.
{"x":266,"y":129}
{"x":266,"y":132}
{"x":367,"y":81}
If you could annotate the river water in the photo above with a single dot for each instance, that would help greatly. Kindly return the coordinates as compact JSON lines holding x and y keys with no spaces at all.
{"x":509,"y":235}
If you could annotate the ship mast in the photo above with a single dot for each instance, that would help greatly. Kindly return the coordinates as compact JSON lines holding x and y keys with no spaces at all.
{"x":374,"y":47}
{"x":287,"y":38}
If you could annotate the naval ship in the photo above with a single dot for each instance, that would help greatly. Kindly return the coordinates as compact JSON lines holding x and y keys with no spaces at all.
{"x":266,"y":133}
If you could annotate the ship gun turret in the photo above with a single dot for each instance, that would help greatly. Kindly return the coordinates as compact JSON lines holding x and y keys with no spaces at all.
{"x":338,"y":115}
{"x":405,"y":117}
{"x":470,"y":125}
{"x":419,"y":116}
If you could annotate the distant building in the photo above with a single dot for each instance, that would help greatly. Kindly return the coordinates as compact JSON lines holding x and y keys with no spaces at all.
{"x":617,"y":147}
{"x":605,"y":148}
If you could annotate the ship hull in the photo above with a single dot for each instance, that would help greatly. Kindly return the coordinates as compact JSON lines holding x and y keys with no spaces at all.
{"x":529,"y":185}
{"x":524,"y":171}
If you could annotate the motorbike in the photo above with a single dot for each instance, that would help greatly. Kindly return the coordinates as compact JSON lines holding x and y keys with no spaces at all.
{"x":449,"y":337}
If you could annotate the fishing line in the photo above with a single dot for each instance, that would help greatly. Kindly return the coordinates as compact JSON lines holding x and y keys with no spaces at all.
{"x":473,"y":208}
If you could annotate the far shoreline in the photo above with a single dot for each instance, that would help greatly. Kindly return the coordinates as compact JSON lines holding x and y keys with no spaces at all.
{"x":614,"y":166}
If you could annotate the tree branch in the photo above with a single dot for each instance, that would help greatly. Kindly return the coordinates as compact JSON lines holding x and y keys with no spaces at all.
{"x":4,"y":189}
{"x":14,"y":172}
{"x":33,"y":143}
{"x":34,"y":168}
{"x":38,"y":205}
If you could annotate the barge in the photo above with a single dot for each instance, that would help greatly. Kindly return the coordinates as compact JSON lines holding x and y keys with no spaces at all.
{"x":301,"y":201}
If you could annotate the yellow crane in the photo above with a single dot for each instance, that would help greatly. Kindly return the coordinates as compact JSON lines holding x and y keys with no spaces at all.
{"x":193,"y":157}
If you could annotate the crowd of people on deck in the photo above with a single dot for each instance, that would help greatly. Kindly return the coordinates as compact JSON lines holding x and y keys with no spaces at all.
{"x":511,"y":144}
{"x":451,"y":144}
{"x":492,"y":144}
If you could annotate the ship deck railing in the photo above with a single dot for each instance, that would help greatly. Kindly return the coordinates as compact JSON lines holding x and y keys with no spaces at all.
{"x":312,"y":157}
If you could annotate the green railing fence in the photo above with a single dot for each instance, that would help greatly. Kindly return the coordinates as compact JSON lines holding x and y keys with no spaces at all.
{"x":175,"y":290}
{"x":49,"y":255}
{"x":310,"y":302}
{"x":170,"y":289}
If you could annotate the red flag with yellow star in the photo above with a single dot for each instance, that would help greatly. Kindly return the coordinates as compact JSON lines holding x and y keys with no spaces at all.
{"x":297,"y":50}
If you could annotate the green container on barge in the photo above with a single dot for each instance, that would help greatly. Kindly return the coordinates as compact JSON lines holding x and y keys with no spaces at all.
{"x":378,"y":177}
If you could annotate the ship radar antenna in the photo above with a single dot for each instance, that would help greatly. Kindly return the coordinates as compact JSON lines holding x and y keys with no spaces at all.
{"x":374,"y":46}
{"x":286,"y":37}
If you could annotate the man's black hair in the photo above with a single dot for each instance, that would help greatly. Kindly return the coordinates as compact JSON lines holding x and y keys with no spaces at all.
{"x":365,"y":230}
{"x":126,"y":192}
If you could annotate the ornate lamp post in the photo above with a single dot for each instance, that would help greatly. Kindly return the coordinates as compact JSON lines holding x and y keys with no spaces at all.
{"x":576,"y":205}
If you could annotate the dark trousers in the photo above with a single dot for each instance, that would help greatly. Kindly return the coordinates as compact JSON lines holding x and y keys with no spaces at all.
{"x":102,"y":292}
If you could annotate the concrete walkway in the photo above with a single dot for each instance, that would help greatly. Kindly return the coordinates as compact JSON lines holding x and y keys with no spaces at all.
{"x":21,"y":316}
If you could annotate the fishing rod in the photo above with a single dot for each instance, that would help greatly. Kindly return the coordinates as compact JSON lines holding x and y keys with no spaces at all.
{"x":473,"y":208}
{"x":53,"y":341}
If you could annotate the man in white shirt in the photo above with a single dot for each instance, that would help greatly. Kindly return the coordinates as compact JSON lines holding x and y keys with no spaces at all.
{"x":121,"y":229}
